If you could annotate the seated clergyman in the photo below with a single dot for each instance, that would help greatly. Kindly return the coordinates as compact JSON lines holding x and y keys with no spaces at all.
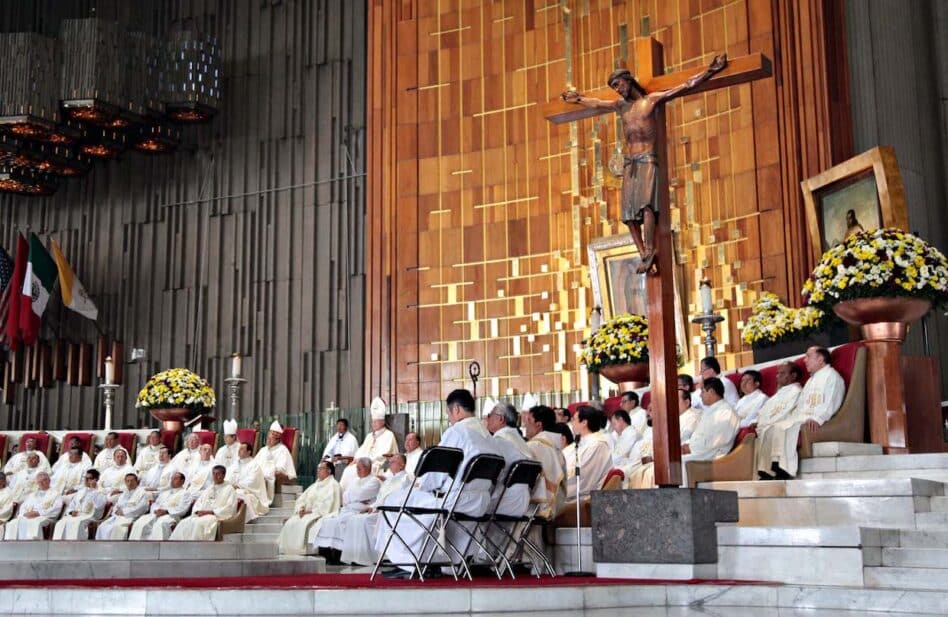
{"x":106,"y":457}
{"x":38,"y":511}
{"x":595,"y":454}
{"x":357,"y":497}
{"x":68,"y":477}
{"x":112,"y":479}
{"x":74,"y":442}
{"x":172,"y":504}
{"x":216,"y":503}
{"x":776,"y":409}
{"x":148,"y":454}
{"x":716,"y":430}
{"x":7,"y":504}
{"x":19,"y":460}
{"x":752,"y":398}
{"x":322,"y":497}
{"x":85,"y":505}
{"x":820,"y":400}
{"x":201,"y":472}
{"x":275,"y":460}
{"x":24,"y":481}
{"x":158,"y":476}
{"x":247,"y":477}
{"x":132,"y":503}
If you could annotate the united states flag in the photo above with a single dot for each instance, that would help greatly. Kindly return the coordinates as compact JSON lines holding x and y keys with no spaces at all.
{"x":6,"y":273}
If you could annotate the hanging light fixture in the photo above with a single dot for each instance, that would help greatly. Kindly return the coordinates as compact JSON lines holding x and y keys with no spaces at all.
{"x":157,"y":139}
{"x":25,"y":181}
{"x":29,"y":105}
{"x":192,"y":77}
{"x":54,"y":159}
{"x":105,"y":144}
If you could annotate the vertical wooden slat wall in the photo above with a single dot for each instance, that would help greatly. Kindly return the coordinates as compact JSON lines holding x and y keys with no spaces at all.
{"x":249,"y":239}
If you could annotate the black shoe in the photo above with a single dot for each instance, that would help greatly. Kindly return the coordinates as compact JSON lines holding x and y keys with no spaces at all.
{"x":396,"y":573}
{"x":782,"y":474}
{"x":763,"y":475}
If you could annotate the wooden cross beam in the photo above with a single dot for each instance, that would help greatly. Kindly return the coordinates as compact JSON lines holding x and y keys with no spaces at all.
{"x":660,"y":287}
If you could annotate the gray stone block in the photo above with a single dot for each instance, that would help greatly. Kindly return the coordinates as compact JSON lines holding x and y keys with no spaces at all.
{"x":667,"y":525}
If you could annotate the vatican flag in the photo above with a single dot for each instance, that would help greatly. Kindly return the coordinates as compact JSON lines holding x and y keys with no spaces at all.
{"x":74,"y":294}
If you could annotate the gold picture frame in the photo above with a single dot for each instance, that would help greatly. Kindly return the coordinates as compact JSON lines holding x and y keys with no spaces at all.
{"x":868,"y":186}
{"x":618,"y":289}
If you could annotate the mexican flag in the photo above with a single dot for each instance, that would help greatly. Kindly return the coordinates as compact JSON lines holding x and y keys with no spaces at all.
{"x":38,"y":284}
{"x":74,"y":294}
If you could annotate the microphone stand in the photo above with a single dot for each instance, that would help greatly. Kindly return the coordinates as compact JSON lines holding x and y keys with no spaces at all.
{"x":579,"y":550}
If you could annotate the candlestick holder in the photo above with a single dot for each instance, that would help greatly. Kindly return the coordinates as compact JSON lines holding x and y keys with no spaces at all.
{"x":233,"y":391}
{"x":708,"y":321}
{"x":108,"y":401}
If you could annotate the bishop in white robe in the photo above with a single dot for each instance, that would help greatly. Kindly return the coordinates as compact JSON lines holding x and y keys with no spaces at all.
{"x":227,"y":454}
{"x":715,"y":433}
{"x":38,"y":511}
{"x":148,"y":454}
{"x":247,"y":477}
{"x":84,"y":506}
{"x":379,"y":444}
{"x":7,"y":503}
{"x":217,"y":503}
{"x":752,"y":399}
{"x":275,"y":460}
{"x":19,"y":460}
{"x":323,"y":497}
{"x":201,"y":473}
{"x":819,"y":401}
{"x":171,"y":505}
{"x":132,"y":503}
{"x":190,"y":455}
{"x":106,"y":457}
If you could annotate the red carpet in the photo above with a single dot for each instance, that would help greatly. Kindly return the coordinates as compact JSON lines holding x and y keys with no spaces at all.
{"x":347,"y":581}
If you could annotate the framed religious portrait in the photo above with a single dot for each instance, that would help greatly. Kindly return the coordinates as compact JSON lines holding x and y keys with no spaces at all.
{"x":860,"y":194}
{"x":618,"y":289}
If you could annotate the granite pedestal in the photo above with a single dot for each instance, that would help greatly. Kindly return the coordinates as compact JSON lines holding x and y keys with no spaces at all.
{"x":667,"y":533}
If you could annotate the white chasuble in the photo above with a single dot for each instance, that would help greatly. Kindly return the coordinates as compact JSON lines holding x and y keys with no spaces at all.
{"x":713,"y":437}
{"x":323,"y":497}
{"x":595,"y":459}
{"x":247,"y":478}
{"x":175,"y":503}
{"x":85,"y":506}
{"x":748,"y":407}
{"x":376,"y":446}
{"x":47,"y":504}
{"x":130,"y":505}
{"x":355,"y":533}
{"x":221,"y":500}
{"x":274,"y":460}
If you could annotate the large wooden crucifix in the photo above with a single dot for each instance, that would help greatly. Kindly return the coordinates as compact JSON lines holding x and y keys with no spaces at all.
{"x":659,"y":283}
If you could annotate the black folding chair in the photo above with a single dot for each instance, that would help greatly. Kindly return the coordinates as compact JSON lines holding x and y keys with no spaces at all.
{"x":433,"y":460}
{"x":516,"y":539}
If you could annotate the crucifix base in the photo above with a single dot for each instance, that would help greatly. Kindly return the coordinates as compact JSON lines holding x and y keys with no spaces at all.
{"x":659,"y":533}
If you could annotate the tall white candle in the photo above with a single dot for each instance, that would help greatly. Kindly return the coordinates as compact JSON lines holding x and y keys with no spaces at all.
{"x":109,"y":371}
{"x":235,"y":365}
{"x":706,"y":304}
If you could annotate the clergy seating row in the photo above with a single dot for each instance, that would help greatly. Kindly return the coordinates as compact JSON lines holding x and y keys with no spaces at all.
{"x":210,"y":438}
{"x":234,"y":524}
{"x":44,"y":443}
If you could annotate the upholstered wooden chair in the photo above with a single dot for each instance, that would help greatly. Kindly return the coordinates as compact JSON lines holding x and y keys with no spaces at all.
{"x":3,"y":450}
{"x":251,"y":436}
{"x":234,"y":524}
{"x":209,"y":437}
{"x":849,"y":423}
{"x":86,"y":442}
{"x":44,"y":443}
{"x":291,"y":439}
{"x":171,"y":440}
{"x":738,"y":464}
{"x":129,"y":441}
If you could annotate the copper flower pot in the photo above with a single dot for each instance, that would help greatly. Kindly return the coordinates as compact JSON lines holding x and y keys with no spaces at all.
{"x":172,"y":418}
{"x":621,"y":373}
{"x":883,"y":323}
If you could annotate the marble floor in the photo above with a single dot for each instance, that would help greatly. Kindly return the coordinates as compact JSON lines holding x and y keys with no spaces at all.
{"x":658,"y":611}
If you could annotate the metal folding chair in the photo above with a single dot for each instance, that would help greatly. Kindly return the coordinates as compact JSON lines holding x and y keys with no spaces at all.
{"x":433,"y":460}
{"x":515,"y":540}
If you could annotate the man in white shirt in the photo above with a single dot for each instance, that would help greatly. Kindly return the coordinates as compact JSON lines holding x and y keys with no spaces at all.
{"x":377,"y":445}
{"x":322,"y":498}
{"x":112,"y":479}
{"x":715,"y":433}
{"x":819,"y":401}
{"x":85,"y":505}
{"x":275,"y":460}
{"x":190,"y":455}
{"x":752,"y":398}
{"x":158,"y":477}
{"x":38,"y":511}
{"x":412,"y":452}
{"x":228,"y":454}
{"x":550,"y":490}
{"x":247,"y":478}
{"x":710,"y":367}
{"x":637,"y":415}
{"x":172,"y":504}
{"x":132,"y":503}
{"x":216,"y":503}
{"x":63,"y":459}
{"x":18,"y":460}
{"x":148,"y":454}
{"x":342,"y":446}
{"x":776,"y":409}
{"x":595,"y":455}
{"x":68,"y":478}
{"x":105,"y":458}
{"x":7,"y":503}
{"x":501,"y":422}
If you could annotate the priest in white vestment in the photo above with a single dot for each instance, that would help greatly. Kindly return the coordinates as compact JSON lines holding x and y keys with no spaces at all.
{"x":775,"y":410}
{"x":201,"y":473}
{"x":626,"y":437}
{"x":189,"y":456}
{"x":413,"y":451}
{"x":342,"y":445}
{"x":468,"y":434}
{"x":227,"y":455}
{"x":710,"y":367}
{"x":356,"y":533}
{"x":148,"y":454}
{"x":323,"y":497}
{"x":377,"y":445}
{"x":7,"y":504}
{"x":501,"y":423}
{"x":218,"y":502}
{"x":19,"y":460}
{"x":637,"y":415}
{"x":25,"y":481}
{"x":276,"y":460}
{"x":358,"y":497}
{"x":820,"y":400}
{"x":171,"y":505}
{"x":752,"y":398}
{"x":158,"y":476}
{"x":70,"y":476}
{"x":595,"y":455}
{"x":38,"y":511}
{"x":64,"y":459}
{"x":715,"y":433}
{"x":84,"y":506}
{"x":112,"y":479}
{"x":551,"y":488}
{"x":247,"y":477}
{"x":688,"y":416}
{"x":132,"y":503}
{"x":106,"y":457}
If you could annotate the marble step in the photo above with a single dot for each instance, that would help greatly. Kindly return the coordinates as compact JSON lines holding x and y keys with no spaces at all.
{"x":262,"y":538}
{"x":907,"y":538}
{"x":256,"y":528}
{"x":939,"y":504}
{"x":123,"y":568}
{"x":843,"y":448}
{"x":289,"y":489}
{"x":99,"y":550}
{"x":281,"y":500}
{"x":278,"y":512}
{"x":928,"y":520}
{"x":916,"y":558}
{"x":931,"y":466}
{"x":905,"y":578}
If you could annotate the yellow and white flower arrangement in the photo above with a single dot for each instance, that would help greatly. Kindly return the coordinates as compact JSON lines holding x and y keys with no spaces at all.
{"x":772,"y":322}
{"x":176,"y":387}
{"x":621,"y":340}
{"x":881,"y":262}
